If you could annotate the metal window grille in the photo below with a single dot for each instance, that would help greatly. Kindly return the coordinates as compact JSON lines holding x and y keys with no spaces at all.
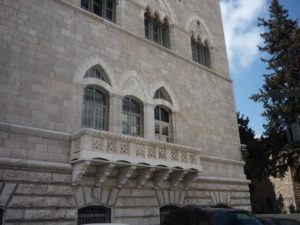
{"x":162,"y":124}
{"x":94,"y":214}
{"x":94,"y":109}
{"x":132,"y":117}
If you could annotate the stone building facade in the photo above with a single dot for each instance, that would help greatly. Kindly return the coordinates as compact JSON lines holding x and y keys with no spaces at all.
{"x":115,"y":111}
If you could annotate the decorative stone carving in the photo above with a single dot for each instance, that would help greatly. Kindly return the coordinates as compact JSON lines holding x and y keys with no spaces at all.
{"x":143,"y":175}
{"x":97,"y":144}
{"x":151,"y":152}
{"x":192,"y":158}
{"x":76,"y":145}
{"x":79,"y":169}
{"x":111,"y":146}
{"x":103,"y":172}
{"x":184,"y":157}
{"x":124,"y":148}
{"x":176,"y":178}
{"x":168,"y":197}
{"x":124,"y":174}
{"x":140,"y":151}
{"x":190,"y":178}
{"x":162,"y":154}
{"x":161,"y":176}
{"x":218,"y":197}
{"x":175,"y":155}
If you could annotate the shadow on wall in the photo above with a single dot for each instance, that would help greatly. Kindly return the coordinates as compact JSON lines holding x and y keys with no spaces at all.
{"x":264,"y":200}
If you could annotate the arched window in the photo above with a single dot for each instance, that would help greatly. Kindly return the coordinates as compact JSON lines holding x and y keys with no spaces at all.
{"x":161,"y":93}
{"x":201,"y":53}
{"x":132,"y":117}
{"x":94,"y":214}
{"x":103,"y":8}
{"x":162,"y":124}
{"x":97,"y":72}
{"x":165,"y":210}
{"x":157,"y":31}
{"x":95,"y":108}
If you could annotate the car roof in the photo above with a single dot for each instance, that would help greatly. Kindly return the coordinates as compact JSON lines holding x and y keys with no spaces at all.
{"x":214,"y":209}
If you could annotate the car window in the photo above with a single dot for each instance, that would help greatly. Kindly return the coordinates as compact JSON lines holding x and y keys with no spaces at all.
{"x":281,"y":221}
{"x":237,"y":218}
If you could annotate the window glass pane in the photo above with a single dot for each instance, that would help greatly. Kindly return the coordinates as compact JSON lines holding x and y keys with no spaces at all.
{"x":156,"y":113}
{"x":109,"y":10}
{"x":126,"y":104}
{"x":164,"y":115}
{"x":135,"y":106}
{"x":125,"y":123}
{"x":165,"y":130}
{"x":157,"y":32}
{"x":97,"y":7}
{"x":147,"y":26}
{"x":85,"y":4}
{"x":157,"y":129}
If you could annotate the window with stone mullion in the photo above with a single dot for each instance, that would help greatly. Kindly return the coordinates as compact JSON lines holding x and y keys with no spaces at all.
{"x":103,"y":8}
{"x":132,"y":117}
{"x":162,"y":124}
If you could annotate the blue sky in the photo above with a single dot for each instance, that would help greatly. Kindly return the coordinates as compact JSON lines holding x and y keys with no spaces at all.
{"x":242,"y":38}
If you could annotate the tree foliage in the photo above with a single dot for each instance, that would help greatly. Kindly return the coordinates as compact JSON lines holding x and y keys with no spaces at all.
{"x":280,"y":92}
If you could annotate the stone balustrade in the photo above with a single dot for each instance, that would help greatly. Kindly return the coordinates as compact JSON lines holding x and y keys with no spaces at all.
{"x":110,"y":150}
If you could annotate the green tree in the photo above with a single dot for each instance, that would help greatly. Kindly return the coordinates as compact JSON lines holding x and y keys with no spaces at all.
{"x":280,"y":92}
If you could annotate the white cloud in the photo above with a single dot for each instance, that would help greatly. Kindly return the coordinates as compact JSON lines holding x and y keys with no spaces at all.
{"x":241,"y":32}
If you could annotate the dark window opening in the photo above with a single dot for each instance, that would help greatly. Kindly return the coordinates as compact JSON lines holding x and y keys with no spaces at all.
{"x":157,"y":31}
{"x":164,"y":211}
{"x":201,"y":53}
{"x":94,"y":214}
{"x":103,"y":8}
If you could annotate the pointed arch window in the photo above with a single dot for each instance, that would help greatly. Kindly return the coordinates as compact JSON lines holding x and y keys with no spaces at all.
{"x":95,"y":108}
{"x":157,"y":31}
{"x":94,"y":214}
{"x":98,"y":73}
{"x":103,"y":8}
{"x":132,"y":117}
{"x":162,"y":124}
{"x":201,"y":53}
{"x":161,"y":93}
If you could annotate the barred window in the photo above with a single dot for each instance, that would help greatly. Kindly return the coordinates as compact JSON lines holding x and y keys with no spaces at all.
{"x":95,"y":109}
{"x":132,"y":117}
{"x":162,"y":124}
{"x":103,"y":8}
{"x":157,"y":31}
{"x":201,"y":53}
{"x":94,"y":214}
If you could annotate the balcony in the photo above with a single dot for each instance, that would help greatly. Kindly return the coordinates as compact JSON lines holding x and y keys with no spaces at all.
{"x":133,"y":157}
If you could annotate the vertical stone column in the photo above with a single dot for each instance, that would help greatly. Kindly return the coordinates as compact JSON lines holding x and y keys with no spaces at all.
{"x":115,"y":113}
{"x":149,"y":121}
{"x":119,"y":12}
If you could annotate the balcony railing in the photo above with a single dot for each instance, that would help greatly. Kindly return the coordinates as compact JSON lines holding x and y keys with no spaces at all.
{"x":90,"y":146}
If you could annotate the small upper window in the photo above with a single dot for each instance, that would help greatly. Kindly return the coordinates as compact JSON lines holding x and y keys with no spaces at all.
{"x":132,"y":117}
{"x":201,"y":53}
{"x":162,"y":94}
{"x":94,"y":214}
{"x":103,"y":8}
{"x":157,"y":31}
{"x":97,"y":72}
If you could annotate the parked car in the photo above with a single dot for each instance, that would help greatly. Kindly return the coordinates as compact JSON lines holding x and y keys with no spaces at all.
{"x":278,"y":221}
{"x":194,"y":215}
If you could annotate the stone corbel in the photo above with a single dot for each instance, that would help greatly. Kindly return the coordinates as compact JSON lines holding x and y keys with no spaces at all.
{"x":143,"y":175}
{"x":176,"y":178}
{"x":79,"y":169}
{"x":103,"y":172}
{"x":161,"y":176}
{"x":190,"y":178}
{"x":124,"y":174}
